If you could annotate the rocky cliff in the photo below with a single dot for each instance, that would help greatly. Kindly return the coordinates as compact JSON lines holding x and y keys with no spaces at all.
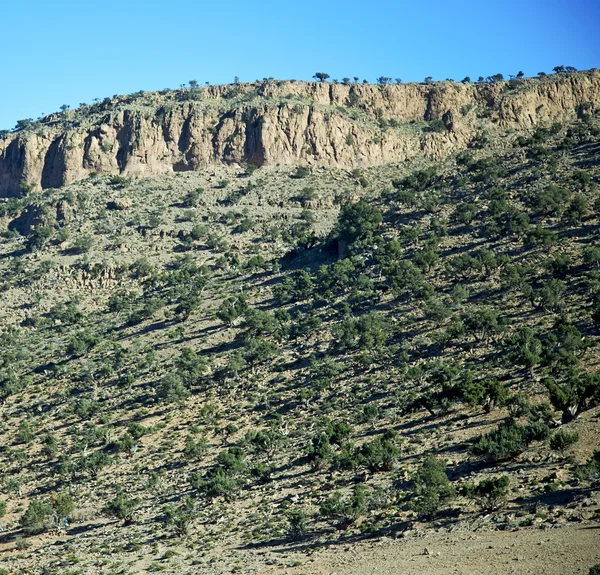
{"x":287,"y":123}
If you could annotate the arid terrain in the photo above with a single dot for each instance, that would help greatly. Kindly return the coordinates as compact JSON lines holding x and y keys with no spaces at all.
{"x":304,"y":328}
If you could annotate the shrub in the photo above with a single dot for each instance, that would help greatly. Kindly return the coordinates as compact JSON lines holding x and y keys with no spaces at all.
{"x":345,"y":511}
{"x":218,"y":483}
{"x":83,"y":244}
{"x":508,"y":440}
{"x":320,"y":451}
{"x":574,"y":395}
{"x":369,"y":332}
{"x":432,"y":487}
{"x":300,"y":172}
{"x":357,"y":221}
{"x":590,"y":471}
{"x":192,"y":198}
{"x":381,"y":454}
{"x":194,"y":449}
{"x":171,"y":389}
{"x":489,"y":493}
{"x":297,"y":523}
{"x":231,"y":309}
{"x":37,"y":518}
{"x":562,"y":439}
{"x":123,"y":507}
{"x":181,"y":516}
{"x":39,"y":237}
{"x":41,"y":515}
{"x":81,"y":343}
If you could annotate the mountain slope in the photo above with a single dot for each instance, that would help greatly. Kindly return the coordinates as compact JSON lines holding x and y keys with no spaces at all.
{"x":234,"y":368}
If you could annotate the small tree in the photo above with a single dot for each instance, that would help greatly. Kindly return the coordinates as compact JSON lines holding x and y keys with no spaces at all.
{"x":432,"y":487}
{"x":321,"y":76}
{"x":345,"y":511}
{"x":123,"y":507}
{"x":562,"y":440}
{"x":489,"y":493}
{"x":171,"y":389}
{"x":297,"y":523}
{"x":181,"y":516}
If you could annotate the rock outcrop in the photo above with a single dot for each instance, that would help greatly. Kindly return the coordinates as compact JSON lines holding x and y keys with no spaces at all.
{"x":286,"y":123}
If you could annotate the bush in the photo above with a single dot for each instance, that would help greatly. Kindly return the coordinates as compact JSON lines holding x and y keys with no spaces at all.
{"x":358,"y":221}
{"x":181,"y":516}
{"x":231,"y":309}
{"x":37,"y":518}
{"x":194,"y":449}
{"x":345,"y":511}
{"x":216,"y":484}
{"x":297,"y":524}
{"x":300,"y":172}
{"x":81,"y":343}
{"x":590,"y":471}
{"x":508,"y":440}
{"x":432,"y":487}
{"x":83,"y":244}
{"x":171,"y":389}
{"x":320,"y":452}
{"x":562,"y":439}
{"x":574,"y":395}
{"x":39,"y":238}
{"x":42,"y":515}
{"x":369,"y":332}
{"x":192,"y":198}
{"x":489,"y":493}
{"x":123,"y":507}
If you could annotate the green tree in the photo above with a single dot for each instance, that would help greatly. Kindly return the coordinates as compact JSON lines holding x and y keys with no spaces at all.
{"x":123,"y":507}
{"x":489,"y":493}
{"x":357,"y":221}
{"x":171,"y":389}
{"x":181,"y":516}
{"x":432,"y":486}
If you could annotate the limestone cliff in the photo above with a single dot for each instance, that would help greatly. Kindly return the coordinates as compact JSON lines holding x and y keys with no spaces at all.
{"x":287,"y":123}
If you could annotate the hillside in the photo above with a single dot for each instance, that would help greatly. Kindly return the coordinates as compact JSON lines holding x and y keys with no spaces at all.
{"x":221,"y":353}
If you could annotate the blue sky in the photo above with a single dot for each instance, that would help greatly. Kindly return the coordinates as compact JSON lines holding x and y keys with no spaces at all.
{"x":70,"y":52}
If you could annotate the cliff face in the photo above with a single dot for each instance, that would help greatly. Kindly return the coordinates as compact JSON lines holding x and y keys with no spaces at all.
{"x":287,"y":123}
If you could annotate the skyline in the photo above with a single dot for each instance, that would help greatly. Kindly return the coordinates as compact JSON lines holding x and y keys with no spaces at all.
{"x":81,"y":53}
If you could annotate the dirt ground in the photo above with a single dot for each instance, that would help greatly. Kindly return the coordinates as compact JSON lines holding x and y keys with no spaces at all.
{"x":569,"y":550}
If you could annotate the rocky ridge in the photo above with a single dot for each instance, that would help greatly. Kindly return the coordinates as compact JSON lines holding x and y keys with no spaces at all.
{"x":288,"y":123}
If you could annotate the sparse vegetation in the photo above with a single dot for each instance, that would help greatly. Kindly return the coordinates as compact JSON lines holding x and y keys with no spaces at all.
{"x":243,"y":357}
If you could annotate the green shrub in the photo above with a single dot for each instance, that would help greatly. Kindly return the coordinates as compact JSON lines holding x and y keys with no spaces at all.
{"x":37,"y":518}
{"x":42,"y":515}
{"x":345,"y":511}
{"x":171,"y":389}
{"x":300,"y":172}
{"x":489,"y":493}
{"x":297,"y":527}
{"x":432,"y":487}
{"x":181,"y":516}
{"x":218,"y":483}
{"x":508,"y":440}
{"x":194,"y":449}
{"x":589,"y":471}
{"x":562,"y":440}
{"x":123,"y":507}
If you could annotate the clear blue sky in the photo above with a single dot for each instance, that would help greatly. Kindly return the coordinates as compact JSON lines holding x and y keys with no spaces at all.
{"x":74,"y":51}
